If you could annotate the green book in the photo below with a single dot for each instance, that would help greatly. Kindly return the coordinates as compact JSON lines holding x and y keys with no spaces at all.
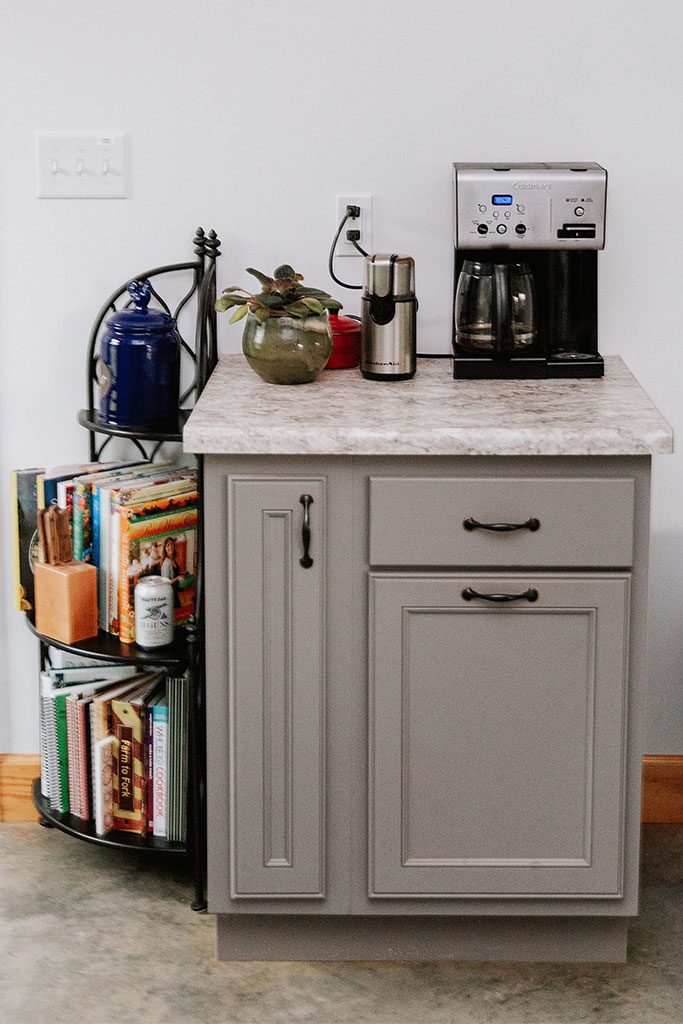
{"x":62,"y":752}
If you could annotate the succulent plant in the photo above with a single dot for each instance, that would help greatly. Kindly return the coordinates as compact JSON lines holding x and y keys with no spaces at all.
{"x":280,"y":295}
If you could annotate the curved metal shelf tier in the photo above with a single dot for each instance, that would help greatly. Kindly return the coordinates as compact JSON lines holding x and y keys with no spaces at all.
{"x":108,"y":647}
{"x":91,"y":421}
{"x":86,"y":830}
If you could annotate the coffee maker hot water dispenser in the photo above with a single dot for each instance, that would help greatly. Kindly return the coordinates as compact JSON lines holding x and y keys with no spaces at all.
{"x":526,"y":288}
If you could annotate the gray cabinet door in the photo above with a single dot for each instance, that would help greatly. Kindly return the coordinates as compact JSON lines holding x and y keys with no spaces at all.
{"x":497,"y":735}
{"x":277,"y":689}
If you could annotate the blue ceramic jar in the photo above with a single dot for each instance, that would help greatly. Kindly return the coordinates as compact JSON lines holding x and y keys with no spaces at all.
{"x":139,"y":366}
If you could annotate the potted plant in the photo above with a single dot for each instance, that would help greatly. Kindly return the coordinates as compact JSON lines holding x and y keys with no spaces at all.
{"x":287,"y":337}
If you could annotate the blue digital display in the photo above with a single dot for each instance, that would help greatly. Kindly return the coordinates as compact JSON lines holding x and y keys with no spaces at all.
{"x":501,"y":200}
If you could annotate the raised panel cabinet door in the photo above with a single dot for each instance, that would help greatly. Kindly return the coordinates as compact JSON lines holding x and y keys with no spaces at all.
{"x":497,"y":735}
{"x":277,"y":687}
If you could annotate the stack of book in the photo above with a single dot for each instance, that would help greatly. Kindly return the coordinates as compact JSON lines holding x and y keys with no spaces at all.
{"x":129,"y":519}
{"x":113,"y":745}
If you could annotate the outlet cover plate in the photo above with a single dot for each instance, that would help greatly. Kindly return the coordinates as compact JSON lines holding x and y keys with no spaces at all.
{"x":362,"y":223}
{"x":81,"y":165}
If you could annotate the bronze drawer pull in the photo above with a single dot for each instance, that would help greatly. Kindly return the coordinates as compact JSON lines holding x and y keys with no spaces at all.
{"x":306,"y":561}
{"x":529,"y":595}
{"x":471,"y":524}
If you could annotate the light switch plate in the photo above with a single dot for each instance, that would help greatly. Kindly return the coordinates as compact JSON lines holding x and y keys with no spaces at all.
{"x":81,"y":165}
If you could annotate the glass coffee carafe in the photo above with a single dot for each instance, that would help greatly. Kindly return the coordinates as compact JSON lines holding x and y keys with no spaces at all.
{"x":494,"y":308}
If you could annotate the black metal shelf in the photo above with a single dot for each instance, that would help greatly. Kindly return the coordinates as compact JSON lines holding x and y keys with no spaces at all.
{"x":109,"y":647}
{"x":186,"y":651}
{"x":86,"y":830}
{"x":91,"y":421}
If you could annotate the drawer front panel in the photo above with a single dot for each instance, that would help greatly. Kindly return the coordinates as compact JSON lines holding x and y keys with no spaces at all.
{"x":496,"y":735}
{"x":560,"y":522}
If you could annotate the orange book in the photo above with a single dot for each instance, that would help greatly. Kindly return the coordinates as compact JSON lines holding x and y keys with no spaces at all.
{"x":158,"y":541}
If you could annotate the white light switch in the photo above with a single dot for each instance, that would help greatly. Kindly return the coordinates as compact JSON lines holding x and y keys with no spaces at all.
{"x":81,"y":165}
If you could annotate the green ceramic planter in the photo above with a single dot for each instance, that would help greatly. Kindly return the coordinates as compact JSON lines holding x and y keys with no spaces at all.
{"x":286,"y":350}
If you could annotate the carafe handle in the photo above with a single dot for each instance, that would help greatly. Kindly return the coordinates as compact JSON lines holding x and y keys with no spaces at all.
{"x":502,"y":324}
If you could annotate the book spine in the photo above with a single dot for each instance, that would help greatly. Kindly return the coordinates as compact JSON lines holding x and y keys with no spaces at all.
{"x":83,"y":758}
{"x":103,"y":793}
{"x":149,"y":766}
{"x":102,"y":547}
{"x":95,"y":521}
{"x":72,"y":756}
{"x":127,"y":580}
{"x":77,"y":520}
{"x":113,"y":571}
{"x":62,"y":753}
{"x":130,"y":793}
{"x":160,"y":770}
{"x":25,"y":522}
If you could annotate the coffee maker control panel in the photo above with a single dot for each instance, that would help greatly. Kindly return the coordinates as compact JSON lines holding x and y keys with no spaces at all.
{"x":529,"y":206}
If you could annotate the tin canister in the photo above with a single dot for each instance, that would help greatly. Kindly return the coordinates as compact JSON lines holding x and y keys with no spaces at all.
{"x":153,"y":611}
{"x":138,"y":371}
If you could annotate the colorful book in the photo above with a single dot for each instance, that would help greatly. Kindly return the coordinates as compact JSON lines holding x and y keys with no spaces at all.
{"x":130,"y":788}
{"x":159,"y":767}
{"x":158,"y":538}
{"x":82,"y":506}
{"x":103,"y":784}
{"x":25,"y":533}
{"x":48,"y":481}
{"x":110,"y":498}
{"x":178,"y":703}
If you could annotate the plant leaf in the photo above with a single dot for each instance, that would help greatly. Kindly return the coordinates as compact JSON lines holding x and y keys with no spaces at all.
{"x":332,"y":304}
{"x":239,"y":313}
{"x":272,"y":300}
{"x":298,"y":309}
{"x":284,"y":271}
{"x":262,"y":314}
{"x":234,"y":288}
{"x":314,"y":305}
{"x":263,"y":278}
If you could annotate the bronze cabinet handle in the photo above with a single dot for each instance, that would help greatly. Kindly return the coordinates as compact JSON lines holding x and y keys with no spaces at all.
{"x":306,"y":561}
{"x":529,"y":595}
{"x":471,"y":524}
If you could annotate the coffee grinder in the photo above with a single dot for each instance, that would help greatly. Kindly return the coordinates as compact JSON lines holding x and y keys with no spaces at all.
{"x":525,"y":299}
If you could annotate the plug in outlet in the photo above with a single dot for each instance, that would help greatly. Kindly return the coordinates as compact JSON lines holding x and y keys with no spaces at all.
{"x":362,"y":223}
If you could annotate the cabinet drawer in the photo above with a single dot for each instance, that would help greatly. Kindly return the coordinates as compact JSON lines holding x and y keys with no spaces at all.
{"x":569,"y":522}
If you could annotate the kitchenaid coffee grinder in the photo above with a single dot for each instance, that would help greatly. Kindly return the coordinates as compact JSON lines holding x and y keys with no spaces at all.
{"x":527,"y":238}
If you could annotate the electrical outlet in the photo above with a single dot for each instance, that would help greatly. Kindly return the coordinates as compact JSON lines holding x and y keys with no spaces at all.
{"x":362,"y":223}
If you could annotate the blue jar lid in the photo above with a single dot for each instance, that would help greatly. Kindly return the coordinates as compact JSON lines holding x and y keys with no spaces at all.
{"x":140,"y":319}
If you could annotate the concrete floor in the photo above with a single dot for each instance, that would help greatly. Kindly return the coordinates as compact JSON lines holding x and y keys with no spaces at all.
{"x":99,"y":937}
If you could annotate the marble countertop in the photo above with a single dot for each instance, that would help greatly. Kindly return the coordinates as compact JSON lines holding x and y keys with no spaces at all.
{"x":341,"y":413}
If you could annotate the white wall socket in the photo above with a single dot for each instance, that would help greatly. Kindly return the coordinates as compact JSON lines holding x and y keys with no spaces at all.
{"x":81,"y":165}
{"x":362,"y":223}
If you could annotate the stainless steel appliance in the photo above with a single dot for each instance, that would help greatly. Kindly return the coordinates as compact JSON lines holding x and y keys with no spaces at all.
{"x":525,"y":291}
{"x":388,"y":315}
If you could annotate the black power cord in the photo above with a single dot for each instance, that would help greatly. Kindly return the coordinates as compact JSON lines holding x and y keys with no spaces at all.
{"x":352,"y":213}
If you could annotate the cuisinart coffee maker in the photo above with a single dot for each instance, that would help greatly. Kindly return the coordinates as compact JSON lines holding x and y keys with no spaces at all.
{"x":526,"y":282}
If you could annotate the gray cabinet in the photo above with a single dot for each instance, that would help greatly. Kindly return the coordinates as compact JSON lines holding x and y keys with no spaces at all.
{"x":277,"y":689}
{"x":382,"y":749}
{"x":496,"y":735}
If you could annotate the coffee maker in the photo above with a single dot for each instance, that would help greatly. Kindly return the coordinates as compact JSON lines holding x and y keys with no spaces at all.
{"x":525,"y":296}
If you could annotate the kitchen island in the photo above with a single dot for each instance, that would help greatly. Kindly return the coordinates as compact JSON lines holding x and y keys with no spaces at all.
{"x":425,"y":614}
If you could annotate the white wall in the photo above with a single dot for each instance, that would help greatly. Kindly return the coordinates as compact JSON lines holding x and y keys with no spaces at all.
{"x":249,"y":117}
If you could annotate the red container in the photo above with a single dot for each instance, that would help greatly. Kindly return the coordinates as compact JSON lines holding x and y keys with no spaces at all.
{"x":345,"y":342}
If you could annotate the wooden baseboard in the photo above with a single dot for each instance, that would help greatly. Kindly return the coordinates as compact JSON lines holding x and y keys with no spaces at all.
{"x":662,"y":788}
{"x":17,"y":772}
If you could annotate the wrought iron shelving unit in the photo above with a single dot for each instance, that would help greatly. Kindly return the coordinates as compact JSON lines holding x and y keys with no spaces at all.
{"x":187,"y":650}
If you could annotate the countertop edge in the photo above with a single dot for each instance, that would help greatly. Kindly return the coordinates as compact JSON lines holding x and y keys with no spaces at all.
{"x":462,"y":443}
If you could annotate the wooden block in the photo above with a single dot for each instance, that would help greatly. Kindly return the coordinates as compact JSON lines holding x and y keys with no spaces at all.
{"x":17,"y":772}
{"x":66,"y":601}
{"x":663,"y":789}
